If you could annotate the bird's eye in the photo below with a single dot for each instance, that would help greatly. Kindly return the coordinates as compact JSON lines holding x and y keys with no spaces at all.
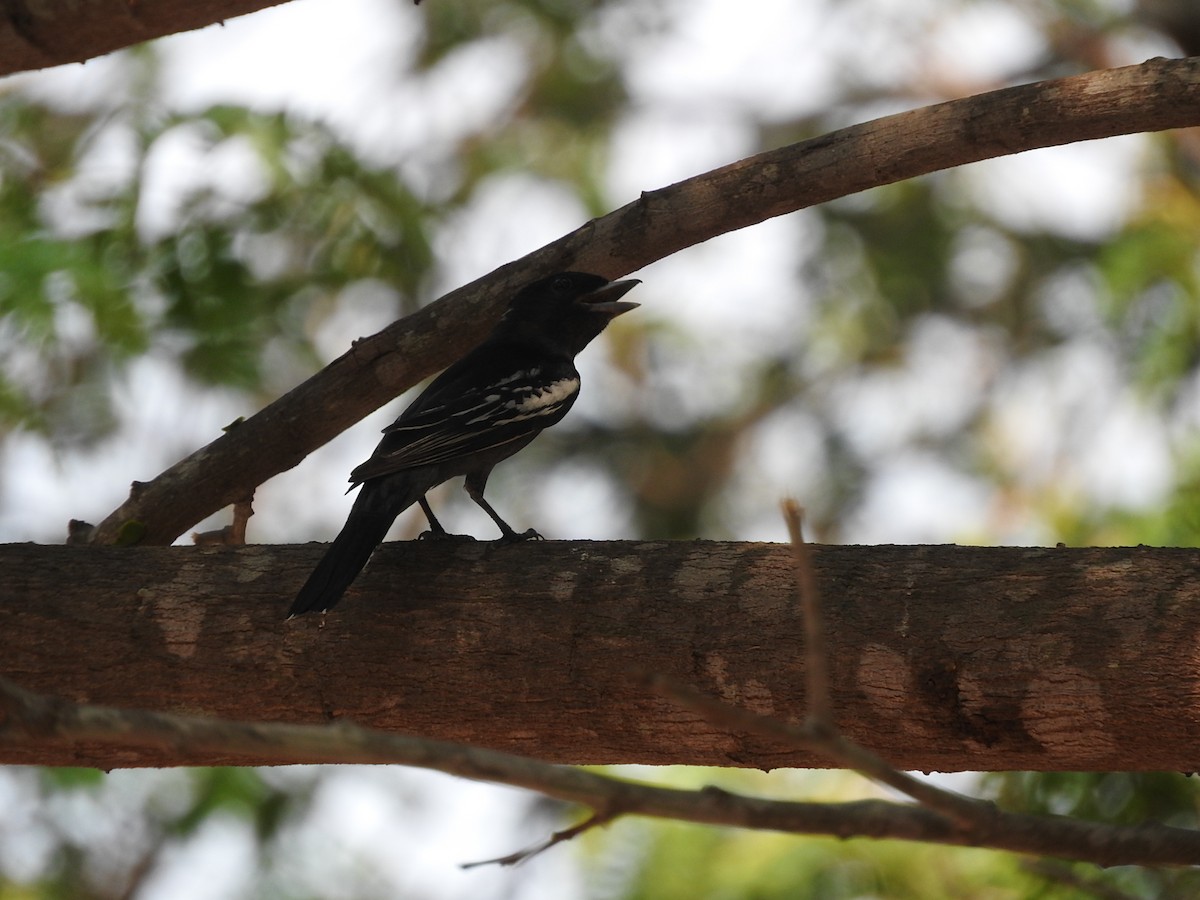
{"x":562,"y":284}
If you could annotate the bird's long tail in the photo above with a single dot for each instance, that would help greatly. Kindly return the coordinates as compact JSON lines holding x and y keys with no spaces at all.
{"x":376,"y":507}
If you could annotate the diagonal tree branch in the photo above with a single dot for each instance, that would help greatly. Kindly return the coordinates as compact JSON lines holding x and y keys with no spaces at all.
{"x":1154,"y":96}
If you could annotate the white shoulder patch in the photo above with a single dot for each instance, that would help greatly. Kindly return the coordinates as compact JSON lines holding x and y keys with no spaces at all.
{"x":551,"y":395}
{"x":524,"y":401}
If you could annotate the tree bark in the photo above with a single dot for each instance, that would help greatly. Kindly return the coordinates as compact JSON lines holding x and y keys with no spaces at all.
{"x":943,"y":658}
{"x":36,"y":34}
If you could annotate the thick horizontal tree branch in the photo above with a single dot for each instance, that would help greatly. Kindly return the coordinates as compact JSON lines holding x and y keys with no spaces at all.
{"x":819,"y":732}
{"x":1156,"y":95}
{"x":942,"y":658}
{"x":36,"y":34}
{"x":25,"y":716}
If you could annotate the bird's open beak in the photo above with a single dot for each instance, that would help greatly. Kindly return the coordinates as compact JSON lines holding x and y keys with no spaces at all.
{"x":607,"y":299}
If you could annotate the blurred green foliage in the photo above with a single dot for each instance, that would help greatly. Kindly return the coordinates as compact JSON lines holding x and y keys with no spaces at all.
{"x":689,"y":862}
{"x":232,"y":282}
{"x":88,"y":286}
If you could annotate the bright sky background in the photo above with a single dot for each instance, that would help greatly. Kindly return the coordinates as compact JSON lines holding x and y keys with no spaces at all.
{"x":338,"y":60}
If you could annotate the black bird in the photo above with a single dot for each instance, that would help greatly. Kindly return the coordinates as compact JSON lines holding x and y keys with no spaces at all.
{"x":481,"y":410}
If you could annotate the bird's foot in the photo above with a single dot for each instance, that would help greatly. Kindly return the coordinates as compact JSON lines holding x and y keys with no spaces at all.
{"x":444,"y":536}
{"x":513,"y":537}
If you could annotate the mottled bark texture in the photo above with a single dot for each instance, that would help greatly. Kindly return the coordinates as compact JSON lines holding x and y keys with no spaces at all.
{"x":943,"y":658}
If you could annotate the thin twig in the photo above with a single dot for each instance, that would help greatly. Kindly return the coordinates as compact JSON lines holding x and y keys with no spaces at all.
{"x":595,"y":820}
{"x":233,"y":534}
{"x":822,"y":734}
{"x":816,"y":659}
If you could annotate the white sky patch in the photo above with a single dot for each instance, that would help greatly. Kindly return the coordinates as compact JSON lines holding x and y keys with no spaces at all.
{"x":916,"y":498}
{"x":936,"y":389}
{"x":1128,"y":461}
{"x":223,"y":849}
{"x":653,"y":147}
{"x":697,"y":65}
{"x":785,"y":456}
{"x":76,"y":88}
{"x":183,"y":161}
{"x":302,"y":70}
{"x":734,"y":296}
{"x":163,"y":417}
{"x":507,"y":217}
{"x":384,"y":813}
{"x":578,"y":502}
{"x":984,"y":263}
{"x":362,"y":308}
{"x":1085,"y":191}
{"x":985,"y":41}
{"x":1068,"y":421}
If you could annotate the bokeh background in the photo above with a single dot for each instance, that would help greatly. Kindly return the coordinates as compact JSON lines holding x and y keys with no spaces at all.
{"x":1005,"y":353}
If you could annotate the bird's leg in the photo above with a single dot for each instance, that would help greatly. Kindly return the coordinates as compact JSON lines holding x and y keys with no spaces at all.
{"x":474,"y":485}
{"x":436,"y":532}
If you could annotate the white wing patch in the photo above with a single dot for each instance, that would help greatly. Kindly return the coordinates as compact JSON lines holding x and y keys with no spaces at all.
{"x":551,"y":395}
{"x":531,"y":402}
{"x":534,"y":402}
{"x":510,"y":410}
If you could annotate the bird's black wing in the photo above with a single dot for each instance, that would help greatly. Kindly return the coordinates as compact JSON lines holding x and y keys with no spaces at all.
{"x":492,"y":397}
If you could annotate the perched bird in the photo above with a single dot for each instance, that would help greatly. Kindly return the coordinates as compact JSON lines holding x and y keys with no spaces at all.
{"x":481,"y":410}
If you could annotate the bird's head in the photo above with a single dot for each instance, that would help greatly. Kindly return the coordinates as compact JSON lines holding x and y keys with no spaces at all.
{"x":565,"y":311}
